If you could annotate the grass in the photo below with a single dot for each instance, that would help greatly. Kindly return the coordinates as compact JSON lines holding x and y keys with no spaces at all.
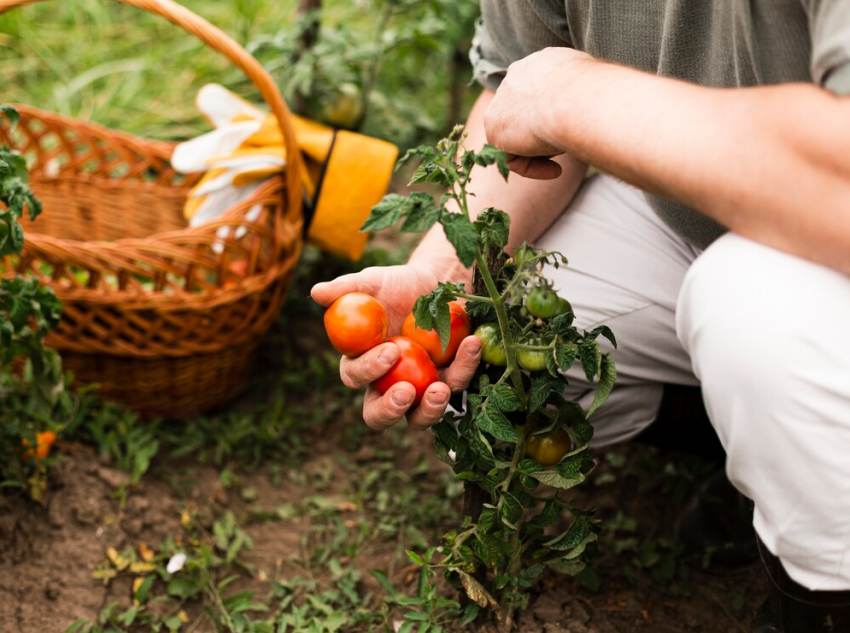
{"x":110,"y":63}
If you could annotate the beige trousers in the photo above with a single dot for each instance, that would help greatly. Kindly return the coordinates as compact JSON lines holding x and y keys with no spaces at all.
{"x":767,"y":335}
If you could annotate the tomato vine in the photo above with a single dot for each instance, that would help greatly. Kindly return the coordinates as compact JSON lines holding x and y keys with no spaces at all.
{"x":496,"y":556}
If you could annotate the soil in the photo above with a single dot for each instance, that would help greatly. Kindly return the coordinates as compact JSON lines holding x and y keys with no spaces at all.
{"x":48,"y":552}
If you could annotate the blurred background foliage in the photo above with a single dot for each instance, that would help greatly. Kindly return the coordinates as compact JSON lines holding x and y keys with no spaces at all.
{"x":396,"y":69}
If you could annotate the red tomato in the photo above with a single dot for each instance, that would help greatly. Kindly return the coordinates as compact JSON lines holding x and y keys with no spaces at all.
{"x":356,"y":323}
{"x":413,"y":366}
{"x":430,"y":340}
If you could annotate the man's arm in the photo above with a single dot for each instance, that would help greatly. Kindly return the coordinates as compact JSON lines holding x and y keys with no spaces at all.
{"x":532,"y":204}
{"x":770,"y":163}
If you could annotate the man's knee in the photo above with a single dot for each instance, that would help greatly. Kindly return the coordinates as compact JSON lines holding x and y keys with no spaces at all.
{"x":736,"y":319}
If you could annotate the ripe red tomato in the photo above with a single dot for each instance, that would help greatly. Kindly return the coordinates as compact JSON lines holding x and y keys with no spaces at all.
{"x":356,"y":323}
{"x":413,"y":366}
{"x":430,"y":340}
{"x":548,"y":451}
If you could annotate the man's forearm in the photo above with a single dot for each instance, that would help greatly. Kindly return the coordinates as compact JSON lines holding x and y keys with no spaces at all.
{"x":770,"y":163}
{"x":532,"y":204}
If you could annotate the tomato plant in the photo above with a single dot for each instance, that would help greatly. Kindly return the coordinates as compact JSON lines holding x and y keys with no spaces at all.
{"x":356,"y":323}
{"x":430,"y":339}
{"x":548,"y":451}
{"x":529,"y":342}
{"x":492,"y":346}
{"x":413,"y":366}
{"x":34,"y":399}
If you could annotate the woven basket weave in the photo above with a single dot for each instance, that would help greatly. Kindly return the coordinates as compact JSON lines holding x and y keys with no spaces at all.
{"x":165,"y":318}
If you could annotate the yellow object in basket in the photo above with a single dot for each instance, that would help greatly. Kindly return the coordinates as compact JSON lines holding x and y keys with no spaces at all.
{"x":345,"y":174}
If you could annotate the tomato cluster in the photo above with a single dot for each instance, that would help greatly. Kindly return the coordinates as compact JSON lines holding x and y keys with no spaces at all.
{"x":357,"y":322}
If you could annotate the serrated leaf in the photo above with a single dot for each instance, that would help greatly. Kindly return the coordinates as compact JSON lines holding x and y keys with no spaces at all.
{"x":489,"y":154}
{"x":591,"y":358}
{"x":607,"y":378}
{"x":605,"y":331}
{"x":431,"y":172}
{"x":546,"y":517}
{"x":565,"y":355}
{"x":505,"y":398}
{"x":421,"y":211}
{"x":493,"y":226}
{"x":486,"y":520}
{"x":511,"y":511}
{"x":567,"y":567}
{"x":462,"y":235}
{"x":541,"y":388}
{"x":386,"y":213}
{"x":552,"y":478}
{"x":494,"y":422}
{"x":573,"y":537}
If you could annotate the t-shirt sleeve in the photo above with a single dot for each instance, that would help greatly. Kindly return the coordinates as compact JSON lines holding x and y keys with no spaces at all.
{"x":512,"y":29}
{"x":830,"y":28}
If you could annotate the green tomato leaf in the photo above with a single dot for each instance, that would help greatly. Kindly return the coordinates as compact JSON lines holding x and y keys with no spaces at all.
{"x":492,"y":421}
{"x":462,"y":235}
{"x":505,"y":398}
{"x":575,"y":536}
{"x":607,"y":377}
{"x":541,"y":389}
{"x":565,"y":566}
{"x":431,"y":172}
{"x":489,"y":154}
{"x":547,"y":516}
{"x":386,"y":213}
{"x":422,"y":213}
{"x":10,"y":113}
{"x":487,"y":520}
{"x":565,"y":355}
{"x":591,"y":358}
{"x":511,"y":511}
{"x":605,"y":331}
{"x":493,"y":226}
{"x":552,"y":478}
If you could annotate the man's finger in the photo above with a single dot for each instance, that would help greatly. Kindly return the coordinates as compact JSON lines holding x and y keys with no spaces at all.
{"x":432,"y":407}
{"x":359,"y":372}
{"x":382,"y":412}
{"x":326,"y":292}
{"x":535,"y":167}
{"x":458,"y":375}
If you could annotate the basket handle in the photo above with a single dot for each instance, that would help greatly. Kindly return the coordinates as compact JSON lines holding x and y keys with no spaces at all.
{"x":219,"y":41}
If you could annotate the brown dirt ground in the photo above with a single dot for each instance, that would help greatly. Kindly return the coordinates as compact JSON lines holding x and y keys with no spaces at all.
{"x":47,"y":553}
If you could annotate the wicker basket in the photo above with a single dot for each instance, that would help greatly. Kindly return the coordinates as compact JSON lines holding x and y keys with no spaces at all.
{"x":165,"y":318}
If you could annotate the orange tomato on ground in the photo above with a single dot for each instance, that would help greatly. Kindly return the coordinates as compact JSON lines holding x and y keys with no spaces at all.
{"x":413,"y":366}
{"x":549,"y":450}
{"x":44,"y":441}
{"x":430,"y":340}
{"x":356,"y":323}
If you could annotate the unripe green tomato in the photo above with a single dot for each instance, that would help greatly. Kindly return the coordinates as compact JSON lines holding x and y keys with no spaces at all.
{"x":542,"y":303}
{"x":492,"y":347}
{"x":563,"y":306}
{"x":532,"y":359}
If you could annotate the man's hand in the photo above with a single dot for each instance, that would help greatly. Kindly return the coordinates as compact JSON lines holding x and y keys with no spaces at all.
{"x":397,"y":288}
{"x":518,"y":119}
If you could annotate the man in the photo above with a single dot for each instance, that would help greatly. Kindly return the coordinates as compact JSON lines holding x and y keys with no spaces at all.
{"x":729,"y":267}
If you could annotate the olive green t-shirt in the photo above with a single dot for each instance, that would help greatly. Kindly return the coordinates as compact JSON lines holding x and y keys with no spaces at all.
{"x":718,"y":43}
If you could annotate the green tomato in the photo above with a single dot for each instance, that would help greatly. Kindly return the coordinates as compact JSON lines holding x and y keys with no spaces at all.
{"x":532,"y":359}
{"x":492,"y":348}
{"x":563,"y":306}
{"x":542,"y":303}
